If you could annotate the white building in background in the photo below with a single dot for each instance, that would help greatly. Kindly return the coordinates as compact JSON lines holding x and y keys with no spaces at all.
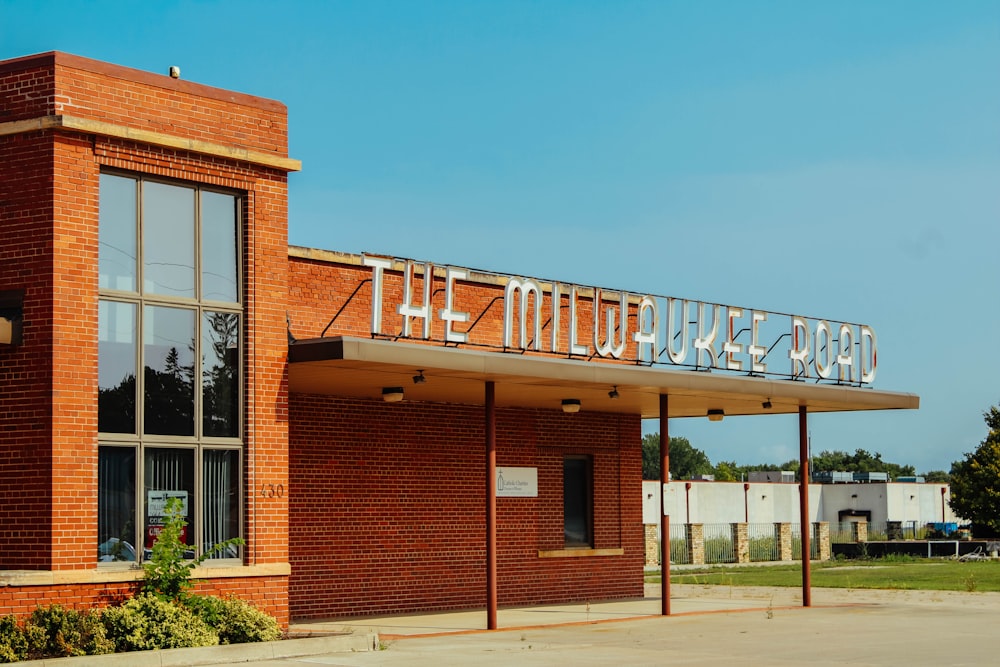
{"x":765,"y":502}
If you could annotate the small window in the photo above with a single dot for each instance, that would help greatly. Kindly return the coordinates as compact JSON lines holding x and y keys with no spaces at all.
{"x":578,"y":515}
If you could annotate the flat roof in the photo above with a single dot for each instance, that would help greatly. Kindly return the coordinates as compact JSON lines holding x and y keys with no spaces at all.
{"x":361,"y":367}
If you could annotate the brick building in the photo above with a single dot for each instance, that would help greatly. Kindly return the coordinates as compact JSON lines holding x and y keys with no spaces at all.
{"x":385,"y":435}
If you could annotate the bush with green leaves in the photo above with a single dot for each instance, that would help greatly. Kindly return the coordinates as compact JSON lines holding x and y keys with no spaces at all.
{"x":13,"y":643}
{"x":148,"y":622}
{"x":164,"y":615}
{"x":167,"y":573}
{"x":236,"y":621}
{"x":66,"y":632}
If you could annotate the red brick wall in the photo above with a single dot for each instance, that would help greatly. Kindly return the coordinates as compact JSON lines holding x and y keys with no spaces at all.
{"x":59,"y":83}
{"x":48,"y":216}
{"x":387,"y":509}
{"x":28,"y":85}
{"x":26,"y":205}
{"x":267,"y":593}
{"x":22,"y":600}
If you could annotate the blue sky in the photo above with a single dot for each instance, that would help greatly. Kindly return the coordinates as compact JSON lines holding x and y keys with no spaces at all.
{"x":838,"y":160}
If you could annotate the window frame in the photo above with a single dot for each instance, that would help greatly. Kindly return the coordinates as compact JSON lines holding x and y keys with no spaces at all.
{"x":198,"y":443}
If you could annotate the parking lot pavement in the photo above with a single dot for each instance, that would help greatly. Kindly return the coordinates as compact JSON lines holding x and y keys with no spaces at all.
{"x":763,"y":625}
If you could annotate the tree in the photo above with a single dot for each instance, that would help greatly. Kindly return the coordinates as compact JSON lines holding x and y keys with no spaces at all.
{"x":167,"y":573}
{"x":860,"y":461}
{"x":727,"y":471}
{"x":938,"y":476}
{"x":685,"y":461}
{"x":975,"y":481}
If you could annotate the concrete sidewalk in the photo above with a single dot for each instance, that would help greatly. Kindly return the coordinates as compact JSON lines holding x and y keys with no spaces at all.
{"x":709,"y":625}
{"x":684,"y":600}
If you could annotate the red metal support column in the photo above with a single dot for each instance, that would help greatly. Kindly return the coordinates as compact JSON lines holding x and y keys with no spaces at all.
{"x":664,"y":517}
{"x":491,"y":507}
{"x":806,"y":526}
{"x":746,"y":502}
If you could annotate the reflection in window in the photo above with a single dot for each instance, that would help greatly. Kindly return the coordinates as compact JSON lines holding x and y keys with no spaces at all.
{"x":116,"y":504}
{"x":168,"y":240}
{"x":168,"y":359}
{"x":577,"y":502}
{"x":221,"y":473}
{"x":218,"y":247}
{"x":117,"y":264}
{"x":220,"y":335}
{"x":116,"y":360}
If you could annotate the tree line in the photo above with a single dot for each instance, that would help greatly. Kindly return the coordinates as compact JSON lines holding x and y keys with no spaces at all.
{"x":689,"y":462}
{"x":974,"y":480}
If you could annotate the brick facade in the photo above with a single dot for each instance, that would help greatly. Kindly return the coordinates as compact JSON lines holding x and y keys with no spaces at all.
{"x":62,"y":120}
{"x":388,"y":500}
{"x":350,"y":506}
{"x":388,"y":512}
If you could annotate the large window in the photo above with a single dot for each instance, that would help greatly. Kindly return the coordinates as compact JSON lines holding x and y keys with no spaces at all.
{"x":170,"y":327}
{"x":578,"y":514}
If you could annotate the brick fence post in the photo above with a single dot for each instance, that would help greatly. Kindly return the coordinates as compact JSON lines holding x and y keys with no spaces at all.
{"x":822,"y":531}
{"x":741,"y":542}
{"x":783,"y":531}
{"x":652,"y":545}
{"x":860,"y":530}
{"x":695,"y":543}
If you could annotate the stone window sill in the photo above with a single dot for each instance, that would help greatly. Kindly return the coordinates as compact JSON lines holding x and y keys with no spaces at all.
{"x":580,"y":553}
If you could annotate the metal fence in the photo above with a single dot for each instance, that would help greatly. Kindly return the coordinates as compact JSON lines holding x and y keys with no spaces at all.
{"x":846,"y":532}
{"x":763,"y":542}
{"x":680,"y":553}
{"x":719,"y":543}
{"x":797,"y":543}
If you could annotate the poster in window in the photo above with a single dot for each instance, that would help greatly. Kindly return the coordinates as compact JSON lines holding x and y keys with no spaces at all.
{"x":156,"y":503}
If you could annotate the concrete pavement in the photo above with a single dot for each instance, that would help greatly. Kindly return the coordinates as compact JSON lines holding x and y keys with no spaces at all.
{"x":709,"y":625}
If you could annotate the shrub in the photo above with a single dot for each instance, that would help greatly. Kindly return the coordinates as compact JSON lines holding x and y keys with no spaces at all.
{"x":147,"y":622}
{"x":236,"y":621}
{"x":167,"y":573}
{"x":66,"y":632}
{"x":35,"y":641}
{"x":13,"y":645}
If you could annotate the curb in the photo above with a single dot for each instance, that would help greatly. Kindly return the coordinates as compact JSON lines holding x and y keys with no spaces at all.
{"x":219,"y":655}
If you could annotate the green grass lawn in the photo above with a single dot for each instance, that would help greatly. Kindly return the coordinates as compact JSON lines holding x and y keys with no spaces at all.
{"x":915,"y":574}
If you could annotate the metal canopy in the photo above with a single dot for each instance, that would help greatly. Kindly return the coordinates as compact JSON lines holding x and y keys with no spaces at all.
{"x":361,"y":367}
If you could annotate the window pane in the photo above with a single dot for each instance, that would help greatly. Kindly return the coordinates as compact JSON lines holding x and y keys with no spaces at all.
{"x":116,"y":504}
{"x":218,"y":247}
{"x":221,"y":474}
{"x":220,"y":354}
{"x":168,"y":344}
{"x":576,"y":501}
{"x":168,"y":239}
{"x":169,"y":473}
{"x":116,"y":360}
{"x":117,"y":233}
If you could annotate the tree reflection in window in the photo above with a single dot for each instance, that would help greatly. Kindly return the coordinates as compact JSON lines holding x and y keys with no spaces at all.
{"x":168,"y":358}
{"x":116,"y":407}
{"x":219,"y":374}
